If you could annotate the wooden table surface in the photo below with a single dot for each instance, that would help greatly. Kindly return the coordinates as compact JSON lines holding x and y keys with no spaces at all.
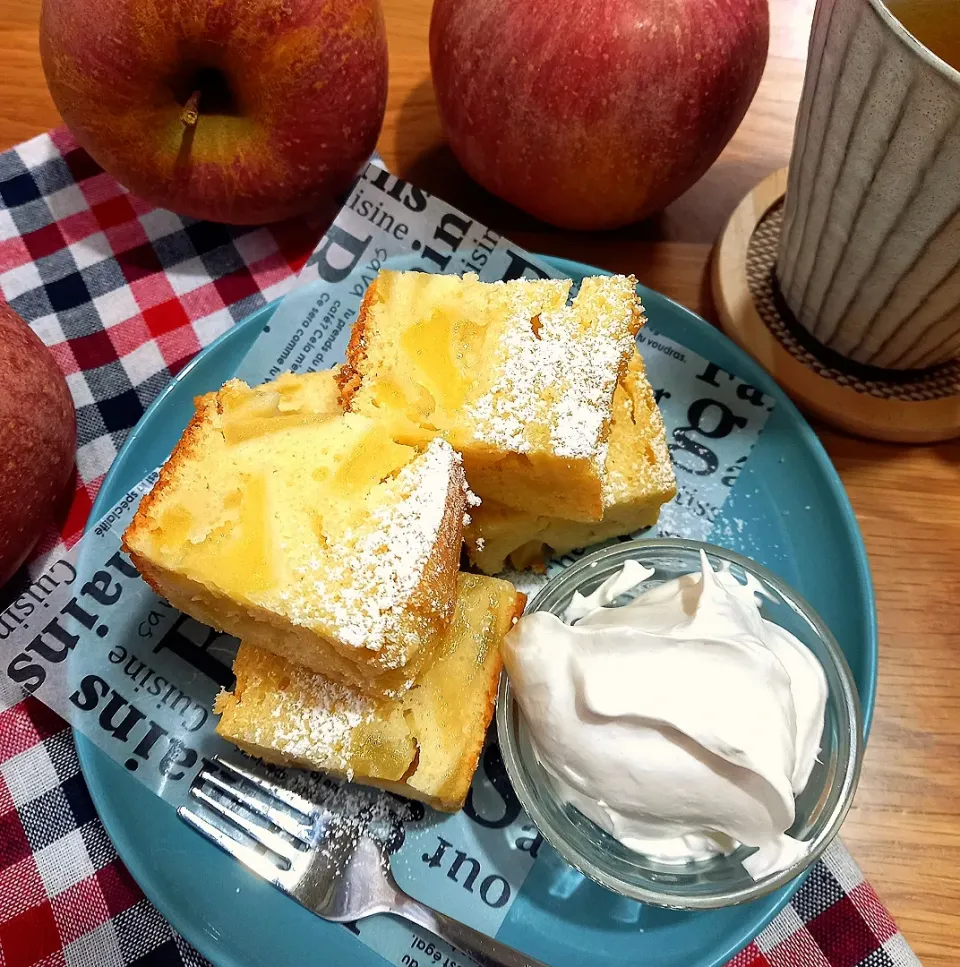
{"x":904,"y":829}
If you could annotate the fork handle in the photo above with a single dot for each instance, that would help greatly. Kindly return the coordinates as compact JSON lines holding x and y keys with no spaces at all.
{"x":482,"y":949}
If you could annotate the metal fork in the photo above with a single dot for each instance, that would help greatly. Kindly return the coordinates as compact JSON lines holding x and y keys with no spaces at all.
{"x":296,"y":848}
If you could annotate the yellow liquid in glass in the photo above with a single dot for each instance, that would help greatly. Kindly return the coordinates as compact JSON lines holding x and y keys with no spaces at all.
{"x":935,"y":23}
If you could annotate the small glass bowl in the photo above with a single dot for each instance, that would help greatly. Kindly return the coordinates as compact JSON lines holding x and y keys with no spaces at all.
{"x":720,"y":881}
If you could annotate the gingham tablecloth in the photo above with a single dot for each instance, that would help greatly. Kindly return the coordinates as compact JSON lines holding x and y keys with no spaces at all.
{"x":124,"y":295}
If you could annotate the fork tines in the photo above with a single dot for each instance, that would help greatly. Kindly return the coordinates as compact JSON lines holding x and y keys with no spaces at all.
{"x":255,"y":820}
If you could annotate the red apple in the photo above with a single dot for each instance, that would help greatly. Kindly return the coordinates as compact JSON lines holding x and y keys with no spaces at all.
{"x":37,"y":439}
{"x":243,"y":111}
{"x":594,"y":113}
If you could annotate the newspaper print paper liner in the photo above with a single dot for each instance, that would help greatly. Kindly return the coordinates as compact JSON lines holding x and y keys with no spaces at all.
{"x":162,"y":757}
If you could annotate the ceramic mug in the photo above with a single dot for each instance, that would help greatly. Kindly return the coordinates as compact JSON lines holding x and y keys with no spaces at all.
{"x":869,"y":257}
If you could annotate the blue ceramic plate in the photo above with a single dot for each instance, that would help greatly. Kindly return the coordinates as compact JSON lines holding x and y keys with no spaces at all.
{"x":797,"y":521}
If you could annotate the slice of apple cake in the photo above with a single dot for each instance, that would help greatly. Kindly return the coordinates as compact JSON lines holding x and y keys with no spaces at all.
{"x":314,"y":534}
{"x":518,"y":381}
{"x":639,"y":480}
{"x":424,"y":744}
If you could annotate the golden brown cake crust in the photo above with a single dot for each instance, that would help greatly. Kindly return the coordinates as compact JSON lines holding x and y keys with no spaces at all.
{"x":349,"y":375}
{"x":188,"y":447}
{"x":455,"y":790}
{"x":438,"y":586}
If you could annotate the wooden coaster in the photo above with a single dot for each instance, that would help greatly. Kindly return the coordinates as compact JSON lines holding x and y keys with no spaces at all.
{"x":914,"y":407}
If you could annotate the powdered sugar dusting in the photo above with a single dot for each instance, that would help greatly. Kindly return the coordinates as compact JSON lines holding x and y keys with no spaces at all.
{"x":349,"y":812}
{"x":365,"y":592}
{"x":558,"y":378}
{"x":314,"y":719}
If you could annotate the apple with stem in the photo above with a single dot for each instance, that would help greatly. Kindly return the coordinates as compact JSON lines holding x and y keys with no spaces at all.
{"x":242,"y":111}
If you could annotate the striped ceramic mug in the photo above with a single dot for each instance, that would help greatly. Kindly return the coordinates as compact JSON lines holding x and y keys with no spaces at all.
{"x":869,"y":259}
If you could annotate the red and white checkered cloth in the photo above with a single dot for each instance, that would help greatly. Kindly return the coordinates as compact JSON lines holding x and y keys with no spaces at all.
{"x":124,"y":295}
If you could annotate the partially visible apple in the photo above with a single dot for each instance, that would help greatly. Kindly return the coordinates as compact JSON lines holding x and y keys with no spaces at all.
{"x":594,"y":113}
{"x":243,"y":111}
{"x":38,"y":435}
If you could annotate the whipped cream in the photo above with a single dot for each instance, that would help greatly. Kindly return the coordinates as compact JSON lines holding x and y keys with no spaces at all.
{"x":683,"y":723}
